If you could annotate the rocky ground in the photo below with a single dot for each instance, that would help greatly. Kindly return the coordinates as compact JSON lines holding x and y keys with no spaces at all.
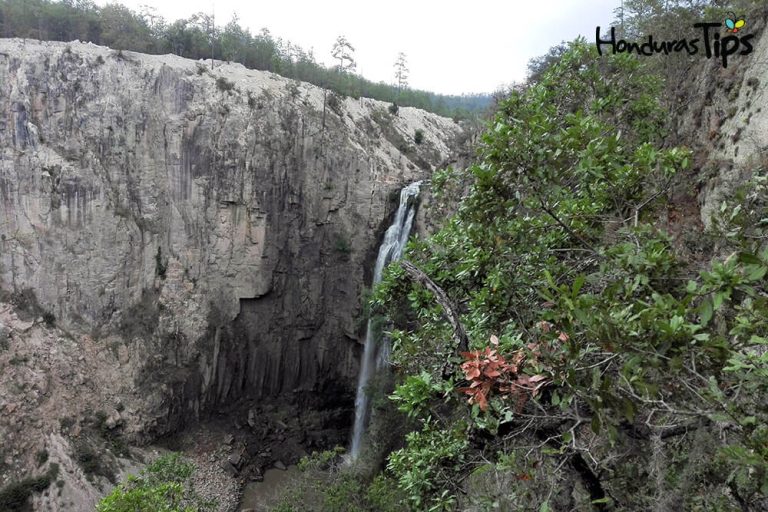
{"x":49,"y":420}
{"x":241,"y":444}
{"x":63,"y":408}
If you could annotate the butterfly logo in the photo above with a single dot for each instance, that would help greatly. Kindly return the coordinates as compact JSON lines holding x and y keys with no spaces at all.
{"x":734,"y":24}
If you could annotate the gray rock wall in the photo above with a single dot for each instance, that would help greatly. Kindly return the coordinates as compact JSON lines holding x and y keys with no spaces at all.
{"x":722,"y":114}
{"x":212,"y":228}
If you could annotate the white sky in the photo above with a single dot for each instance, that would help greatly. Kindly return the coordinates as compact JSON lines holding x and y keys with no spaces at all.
{"x":452,"y":47}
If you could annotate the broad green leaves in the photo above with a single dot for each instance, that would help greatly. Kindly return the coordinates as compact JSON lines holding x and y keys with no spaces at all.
{"x":560,"y":230}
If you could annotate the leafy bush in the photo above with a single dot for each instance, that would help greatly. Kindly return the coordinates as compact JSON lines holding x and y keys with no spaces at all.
{"x":431,"y":459}
{"x":334,"y":103}
{"x":384,"y":495}
{"x":343,"y":494}
{"x":342,"y":245}
{"x":643,"y":354}
{"x":93,"y":463}
{"x":163,"y":486}
{"x":49,"y":319}
{"x":418,"y":136}
{"x":321,"y":460}
{"x":28,"y":306}
{"x":161,"y":265}
{"x":15,"y":496}
{"x":41,"y":457}
{"x":330,"y":483}
{"x":224,"y":85}
{"x":18,"y":359}
{"x":415,"y":391}
{"x":142,"y":318}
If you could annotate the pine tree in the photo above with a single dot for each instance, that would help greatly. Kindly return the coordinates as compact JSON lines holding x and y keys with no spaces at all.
{"x":401,"y":72}
{"x":343,"y":51}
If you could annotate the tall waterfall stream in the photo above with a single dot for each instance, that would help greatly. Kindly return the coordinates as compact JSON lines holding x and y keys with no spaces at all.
{"x":376,"y":350}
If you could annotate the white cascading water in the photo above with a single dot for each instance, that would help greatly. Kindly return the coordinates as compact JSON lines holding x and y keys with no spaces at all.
{"x":376,"y":354}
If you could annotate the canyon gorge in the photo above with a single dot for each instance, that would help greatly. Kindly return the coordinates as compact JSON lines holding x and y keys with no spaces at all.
{"x":184,"y":244}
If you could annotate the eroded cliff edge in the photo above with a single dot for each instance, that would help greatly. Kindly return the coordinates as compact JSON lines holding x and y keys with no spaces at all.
{"x":196,"y":235}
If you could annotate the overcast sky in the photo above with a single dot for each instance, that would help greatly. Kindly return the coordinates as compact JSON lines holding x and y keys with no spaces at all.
{"x":452,"y":47}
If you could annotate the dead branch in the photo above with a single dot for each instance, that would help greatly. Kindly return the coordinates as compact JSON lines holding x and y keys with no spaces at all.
{"x":449,"y":311}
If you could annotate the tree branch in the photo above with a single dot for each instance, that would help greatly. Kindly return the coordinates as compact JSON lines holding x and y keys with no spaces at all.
{"x":567,"y":228}
{"x":449,"y":311}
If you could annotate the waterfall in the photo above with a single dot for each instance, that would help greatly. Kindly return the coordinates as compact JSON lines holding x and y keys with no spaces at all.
{"x":374,"y":357}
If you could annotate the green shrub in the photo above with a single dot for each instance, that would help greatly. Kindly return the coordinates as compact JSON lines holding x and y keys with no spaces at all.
{"x":15,"y":496}
{"x":252,"y":103}
{"x":29,"y":307}
{"x":321,"y":460}
{"x":161,"y":266}
{"x":166,"y":497}
{"x":429,"y":461}
{"x":41,"y":457}
{"x":224,"y":85}
{"x":334,"y":103}
{"x":344,"y":494}
{"x":17,"y":360}
{"x":342,"y":245}
{"x":284,"y":506}
{"x":418,"y":136}
{"x":329,"y":483}
{"x":66,"y":423}
{"x":112,"y":436}
{"x":558,"y":262}
{"x":384,"y":495}
{"x":49,"y":319}
{"x":91,"y":462}
{"x":163,"y":486}
{"x":142,"y":318}
{"x":169,"y":468}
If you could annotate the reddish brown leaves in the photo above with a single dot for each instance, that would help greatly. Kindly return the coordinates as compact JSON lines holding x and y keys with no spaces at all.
{"x":482,"y":368}
{"x":487,"y":371}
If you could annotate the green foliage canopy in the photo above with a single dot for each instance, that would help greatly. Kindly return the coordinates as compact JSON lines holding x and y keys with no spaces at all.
{"x":556,"y":250}
{"x":163,"y":486}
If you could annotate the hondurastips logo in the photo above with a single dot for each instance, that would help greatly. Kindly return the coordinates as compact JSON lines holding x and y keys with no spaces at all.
{"x":710,"y":40}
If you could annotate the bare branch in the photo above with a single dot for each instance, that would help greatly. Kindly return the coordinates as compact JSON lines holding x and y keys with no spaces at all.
{"x":449,"y":311}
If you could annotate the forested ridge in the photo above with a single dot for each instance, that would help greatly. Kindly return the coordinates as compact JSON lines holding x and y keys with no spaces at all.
{"x":198,"y":37}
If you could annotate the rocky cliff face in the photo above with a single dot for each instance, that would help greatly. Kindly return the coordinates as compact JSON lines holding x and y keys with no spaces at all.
{"x":721,"y":114}
{"x":205,"y":233}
